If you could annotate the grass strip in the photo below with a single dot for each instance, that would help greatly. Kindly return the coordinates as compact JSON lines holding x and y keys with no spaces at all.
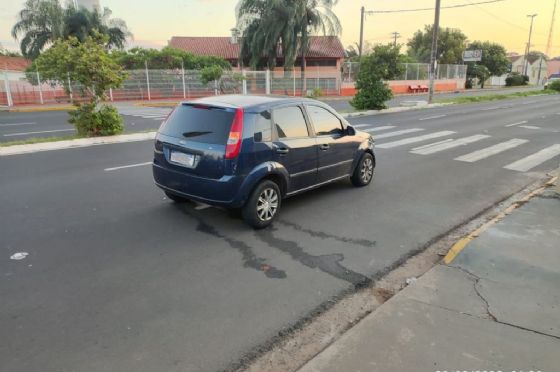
{"x":495,"y":97}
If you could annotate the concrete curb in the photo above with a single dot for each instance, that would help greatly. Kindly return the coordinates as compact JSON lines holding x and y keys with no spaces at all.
{"x":39,"y":109}
{"x":157,"y":104}
{"x":75,"y":143}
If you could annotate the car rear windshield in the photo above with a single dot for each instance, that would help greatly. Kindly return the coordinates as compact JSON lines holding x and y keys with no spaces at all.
{"x":199,"y":123}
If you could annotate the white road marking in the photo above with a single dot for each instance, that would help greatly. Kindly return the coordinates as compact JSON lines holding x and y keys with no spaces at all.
{"x":535,"y":159}
{"x":432,"y":144}
{"x":376,"y":129}
{"x":39,"y":132}
{"x":492,"y":150}
{"x":518,"y":123}
{"x":360,"y":125}
{"x":450,"y":144}
{"x":15,"y":124}
{"x":433,"y":117}
{"x":491,"y":108}
{"x":529,"y":127}
{"x":410,"y":140}
{"x":398,"y":133}
{"x":127,"y":166}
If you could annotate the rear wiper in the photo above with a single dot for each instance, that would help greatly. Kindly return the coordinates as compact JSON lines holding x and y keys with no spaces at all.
{"x":195,"y":134}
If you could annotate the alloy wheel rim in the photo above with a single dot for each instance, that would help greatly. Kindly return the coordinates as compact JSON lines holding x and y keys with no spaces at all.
{"x":267,"y":204}
{"x":366,"y":172}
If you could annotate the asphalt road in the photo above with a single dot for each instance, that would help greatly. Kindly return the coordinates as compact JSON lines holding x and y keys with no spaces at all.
{"x":119,"y":278}
{"x":15,"y":126}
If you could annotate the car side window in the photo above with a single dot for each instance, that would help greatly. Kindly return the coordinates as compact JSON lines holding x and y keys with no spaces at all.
{"x":324,"y":122}
{"x":290,"y":122}
{"x":263,"y":127}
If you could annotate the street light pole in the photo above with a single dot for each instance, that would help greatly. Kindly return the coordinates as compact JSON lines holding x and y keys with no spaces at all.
{"x":362,"y":16}
{"x":396,"y":35}
{"x":532,"y":16}
{"x":433,"y":57}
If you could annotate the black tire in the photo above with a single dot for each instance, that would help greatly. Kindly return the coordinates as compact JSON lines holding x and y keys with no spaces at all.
{"x":176,"y":198}
{"x":364,"y":172}
{"x":263,"y":205}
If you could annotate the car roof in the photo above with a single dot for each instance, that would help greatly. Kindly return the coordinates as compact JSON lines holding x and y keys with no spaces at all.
{"x":250,"y":102}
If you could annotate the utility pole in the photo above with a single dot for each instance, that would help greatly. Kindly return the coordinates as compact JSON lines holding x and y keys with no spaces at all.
{"x":433,"y":57}
{"x":551,"y":31}
{"x":362,"y":16}
{"x":532,"y":16}
{"x":396,"y":36}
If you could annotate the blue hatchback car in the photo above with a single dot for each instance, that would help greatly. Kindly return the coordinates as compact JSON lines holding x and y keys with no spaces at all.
{"x":251,"y":152}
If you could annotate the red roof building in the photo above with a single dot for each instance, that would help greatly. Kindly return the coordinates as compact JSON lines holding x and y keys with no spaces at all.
{"x":324,"y":51}
{"x":14,"y":63}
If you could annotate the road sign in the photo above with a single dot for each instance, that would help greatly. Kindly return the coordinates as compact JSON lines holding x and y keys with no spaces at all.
{"x":472,"y":55}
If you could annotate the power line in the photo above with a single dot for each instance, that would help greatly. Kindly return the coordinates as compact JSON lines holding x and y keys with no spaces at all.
{"x":429,"y":9}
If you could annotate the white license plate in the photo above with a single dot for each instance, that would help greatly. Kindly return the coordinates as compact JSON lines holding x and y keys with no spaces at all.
{"x":181,"y":158}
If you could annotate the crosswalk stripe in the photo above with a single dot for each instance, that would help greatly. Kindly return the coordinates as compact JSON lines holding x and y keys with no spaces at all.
{"x":398,"y":133}
{"x":377,"y":129}
{"x":449,"y":145}
{"x":433,"y":117}
{"x":432,"y":144}
{"x":361,"y":125}
{"x":407,"y":141}
{"x":492,"y":150}
{"x":531,"y":161}
{"x":519,"y":123}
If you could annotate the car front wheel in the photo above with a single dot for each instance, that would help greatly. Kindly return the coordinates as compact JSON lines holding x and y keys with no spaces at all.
{"x":263,"y":205}
{"x":363,"y":174}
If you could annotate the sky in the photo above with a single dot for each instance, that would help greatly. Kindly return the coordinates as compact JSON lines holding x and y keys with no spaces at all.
{"x":154,"y":22}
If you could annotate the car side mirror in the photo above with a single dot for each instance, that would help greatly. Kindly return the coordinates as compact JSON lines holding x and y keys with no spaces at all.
{"x":350,"y":130}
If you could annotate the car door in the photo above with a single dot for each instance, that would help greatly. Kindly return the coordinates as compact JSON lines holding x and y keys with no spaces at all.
{"x":335,"y":148}
{"x":294,"y":147}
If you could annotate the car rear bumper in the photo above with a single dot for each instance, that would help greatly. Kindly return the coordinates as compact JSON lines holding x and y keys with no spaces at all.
{"x":221,"y":192}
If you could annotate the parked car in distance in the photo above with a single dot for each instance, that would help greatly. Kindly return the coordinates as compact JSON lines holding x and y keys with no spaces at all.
{"x":251,"y":152}
{"x":551,"y":78}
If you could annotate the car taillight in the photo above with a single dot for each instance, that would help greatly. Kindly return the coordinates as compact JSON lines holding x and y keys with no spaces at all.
{"x":233,"y":146}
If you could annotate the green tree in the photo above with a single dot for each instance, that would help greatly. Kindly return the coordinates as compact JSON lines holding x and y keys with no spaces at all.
{"x":384,"y":63}
{"x":90,"y":65}
{"x":480,"y":72}
{"x":41,"y":22}
{"x":167,"y":58}
{"x":494,"y":58}
{"x":451,"y":44}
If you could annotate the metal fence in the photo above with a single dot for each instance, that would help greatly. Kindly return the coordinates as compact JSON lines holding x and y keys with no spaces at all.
{"x":411,"y":71}
{"x":20,"y":88}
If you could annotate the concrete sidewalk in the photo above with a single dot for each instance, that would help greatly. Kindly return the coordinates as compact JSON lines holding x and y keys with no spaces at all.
{"x":496,"y":306}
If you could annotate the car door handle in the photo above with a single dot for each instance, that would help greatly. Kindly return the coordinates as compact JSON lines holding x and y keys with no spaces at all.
{"x":324,"y":146}
{"x":282,"y":150}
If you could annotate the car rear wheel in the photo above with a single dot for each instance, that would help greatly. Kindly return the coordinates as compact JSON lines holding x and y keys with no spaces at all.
{"x":363,"y":174}
{"x":263,"y":205}
{"x":176,"y":198}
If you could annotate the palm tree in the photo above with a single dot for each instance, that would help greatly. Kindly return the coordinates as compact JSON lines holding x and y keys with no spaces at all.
{"x":41,"y":22}
{"x":81,"y":22}
{"x":316,"y":16}
{"x":265,"y":24}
